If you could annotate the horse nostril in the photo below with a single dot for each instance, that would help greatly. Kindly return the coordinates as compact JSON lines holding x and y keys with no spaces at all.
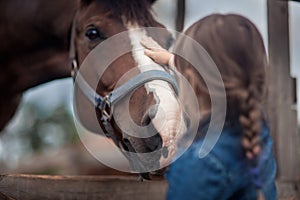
{"x":165,"y":152}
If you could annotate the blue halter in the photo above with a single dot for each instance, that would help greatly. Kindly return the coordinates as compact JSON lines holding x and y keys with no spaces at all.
{"x":104,"y":102}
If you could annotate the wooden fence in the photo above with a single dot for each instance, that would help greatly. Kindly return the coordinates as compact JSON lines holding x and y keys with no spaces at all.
{"x":36,"y":187}
{"x":31,"y":187}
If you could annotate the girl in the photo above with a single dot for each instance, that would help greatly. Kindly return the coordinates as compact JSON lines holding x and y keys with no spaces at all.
{"x":241,"y":165}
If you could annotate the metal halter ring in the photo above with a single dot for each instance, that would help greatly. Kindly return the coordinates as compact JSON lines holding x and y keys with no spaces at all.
{"x":105,"y":107}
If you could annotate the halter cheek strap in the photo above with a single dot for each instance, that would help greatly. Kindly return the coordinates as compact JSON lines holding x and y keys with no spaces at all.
{"x":72,"y":54}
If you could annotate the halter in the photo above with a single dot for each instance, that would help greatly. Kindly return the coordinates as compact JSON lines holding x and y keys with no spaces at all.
{"x":105,"y":104}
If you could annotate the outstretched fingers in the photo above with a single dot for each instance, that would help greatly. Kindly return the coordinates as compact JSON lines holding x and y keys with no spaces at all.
{"x":154,"y":51}
{"x":151,"y":44}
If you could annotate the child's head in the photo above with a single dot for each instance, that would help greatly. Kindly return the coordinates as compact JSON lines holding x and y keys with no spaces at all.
{"x":237,"y":48}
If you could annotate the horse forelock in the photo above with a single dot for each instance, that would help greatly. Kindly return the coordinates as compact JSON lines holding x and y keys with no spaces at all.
{"x":138,"y":11}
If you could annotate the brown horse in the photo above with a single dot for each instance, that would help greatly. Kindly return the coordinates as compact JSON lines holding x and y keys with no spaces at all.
{"x":37,"y":51}
{"x":96,"y":21}
{"x":34,"y":47}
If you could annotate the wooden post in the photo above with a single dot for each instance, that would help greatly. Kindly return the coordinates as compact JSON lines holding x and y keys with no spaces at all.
{"x":295,"y":99}
{"x":180,"y":15}
{"x":280,"y":95}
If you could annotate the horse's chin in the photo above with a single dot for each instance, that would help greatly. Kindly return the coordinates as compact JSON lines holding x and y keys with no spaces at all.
{"x":158,"y":173}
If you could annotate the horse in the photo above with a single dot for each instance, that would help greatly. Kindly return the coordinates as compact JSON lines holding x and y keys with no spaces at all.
{"x":37,"y":51}
{"x":96,"y":22}
{"x":34,"y":47}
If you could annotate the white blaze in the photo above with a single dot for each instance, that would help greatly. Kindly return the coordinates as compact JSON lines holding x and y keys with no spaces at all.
{"x":168,"y":120}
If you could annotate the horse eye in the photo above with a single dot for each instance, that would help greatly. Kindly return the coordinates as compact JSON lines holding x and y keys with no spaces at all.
{"x":94,"y":34}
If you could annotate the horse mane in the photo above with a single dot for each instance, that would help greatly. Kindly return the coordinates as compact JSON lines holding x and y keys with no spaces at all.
{"x":138,"y":11}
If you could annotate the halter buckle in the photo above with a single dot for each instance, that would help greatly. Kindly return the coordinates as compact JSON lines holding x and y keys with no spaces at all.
{"x":106,"y":108}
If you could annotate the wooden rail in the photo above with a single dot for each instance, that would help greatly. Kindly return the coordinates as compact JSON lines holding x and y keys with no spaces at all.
{"x":31,"y":187}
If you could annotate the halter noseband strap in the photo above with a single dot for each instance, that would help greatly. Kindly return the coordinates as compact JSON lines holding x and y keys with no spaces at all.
{"x":102,"y":103}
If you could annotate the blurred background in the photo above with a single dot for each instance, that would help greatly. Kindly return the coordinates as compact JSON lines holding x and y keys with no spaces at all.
{"x":43,"y":132}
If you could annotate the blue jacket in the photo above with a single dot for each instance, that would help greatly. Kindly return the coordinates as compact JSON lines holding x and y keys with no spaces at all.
{"x":225,"y":172}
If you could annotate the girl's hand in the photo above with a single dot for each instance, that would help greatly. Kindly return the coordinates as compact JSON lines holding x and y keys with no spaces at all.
{"x":155,"y":51}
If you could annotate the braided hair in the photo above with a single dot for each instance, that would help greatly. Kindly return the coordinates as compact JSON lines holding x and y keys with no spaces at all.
{"x":237,"y":48}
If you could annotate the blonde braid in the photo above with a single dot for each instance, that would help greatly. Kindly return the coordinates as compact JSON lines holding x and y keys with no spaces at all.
{"x":250,"y":119}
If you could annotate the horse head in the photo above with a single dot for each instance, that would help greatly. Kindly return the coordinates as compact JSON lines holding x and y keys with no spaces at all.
{"x":153,"y":103}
